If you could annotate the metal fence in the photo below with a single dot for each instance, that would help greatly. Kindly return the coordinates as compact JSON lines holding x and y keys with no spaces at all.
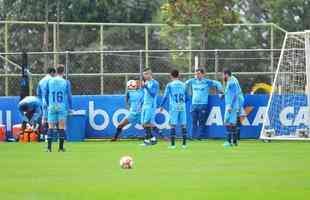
{"x":106,"y":72}
{"x":101,"y":57}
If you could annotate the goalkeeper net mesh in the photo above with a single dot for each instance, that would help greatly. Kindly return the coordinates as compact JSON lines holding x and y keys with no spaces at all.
{"x":288,"y":109}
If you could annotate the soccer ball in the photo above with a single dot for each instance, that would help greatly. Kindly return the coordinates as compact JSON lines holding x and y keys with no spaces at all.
{"x":126,"y":162}
{"x":131,"y":85}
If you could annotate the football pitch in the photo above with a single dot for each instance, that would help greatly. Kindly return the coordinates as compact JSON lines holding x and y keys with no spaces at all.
{"x":90,"y":170}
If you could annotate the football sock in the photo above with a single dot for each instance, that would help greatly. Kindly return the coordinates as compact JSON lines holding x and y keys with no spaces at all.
{"x":184,"y":134}
{"x":235,"y":135}
{"x":229,"y":135}
{"x":148,"y":131}
{"x":61,"y":133}
{"x":49,"y":138}
{"x":118,"y":132}
{"x":172,"y":132}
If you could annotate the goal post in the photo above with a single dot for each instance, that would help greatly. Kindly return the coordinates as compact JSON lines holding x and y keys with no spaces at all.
{"x":287,"y":115}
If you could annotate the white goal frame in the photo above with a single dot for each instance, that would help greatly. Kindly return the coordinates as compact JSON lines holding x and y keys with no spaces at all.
{"x":306,"y":34}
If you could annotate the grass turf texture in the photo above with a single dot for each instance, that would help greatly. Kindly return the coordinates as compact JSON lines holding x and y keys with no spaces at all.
{"x":90,"y":170}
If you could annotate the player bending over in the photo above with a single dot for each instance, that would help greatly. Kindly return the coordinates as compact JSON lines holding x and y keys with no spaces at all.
{"x":176,"y":93}
{"x":59,"y":101}
{"x":150,"y":89}
{"x":134,"y":98}
{"x":199,"y":88}
{"x":30,"y":109}
{"x":41,"y":92}
{"x":233,"y":106}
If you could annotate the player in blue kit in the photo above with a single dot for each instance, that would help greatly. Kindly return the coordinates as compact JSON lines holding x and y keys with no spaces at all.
{"x":134,"y":99}
{"x":41,"y":91}
{"x":233,"y":107}
{"x":199,"y":88}
{"x":175,"y":92}
{"x":59,"y":102}
{"x":150,"y":89}
{"x":30,"y":109}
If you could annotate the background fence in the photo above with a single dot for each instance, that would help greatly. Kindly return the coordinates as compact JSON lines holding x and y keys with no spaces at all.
{"x":101,"y":57}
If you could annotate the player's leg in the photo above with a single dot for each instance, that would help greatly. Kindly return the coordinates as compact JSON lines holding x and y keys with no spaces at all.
{"x":61,"y":134}
{"x":148,"y":130}
{"x":173,"y":123}
{"x":52,"y":129}
{"x":195,"y":120}
{"x":202,"y":122}
{"x":119,"y":129}
{"x":238,"y":127}
{"x":148,"y":118}
{"x":172,"y":136}
{"x":235,"y":135}
{"x":44,"y":125}
{"x":228,"y":135}
{"x":183,"y":123}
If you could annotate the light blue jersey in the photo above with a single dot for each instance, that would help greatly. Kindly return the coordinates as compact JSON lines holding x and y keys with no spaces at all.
{"x":41,"y":92}
{"x":233,"y":100}
{"x":58,"y":98}
{"x":199,"y":89}
{"x":135,"y":99}
{"x":151,"y":89}
{"x":176,"y":93}
{"x":34,"y":104}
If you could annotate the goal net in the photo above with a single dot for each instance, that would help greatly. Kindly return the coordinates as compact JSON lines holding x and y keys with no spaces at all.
{"x":287,"y":115}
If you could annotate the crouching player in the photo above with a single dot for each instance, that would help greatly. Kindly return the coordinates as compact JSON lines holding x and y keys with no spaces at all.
{"x":150,"y":90}
{"x":176,"y":93}
{"x":59,"y":102}
{"x":134,"y":98}
{"x":233,"y":102}
{"x":30,"y":109}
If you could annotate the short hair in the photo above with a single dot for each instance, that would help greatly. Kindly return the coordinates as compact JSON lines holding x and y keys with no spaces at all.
{"x":23,"y":107}
{"x":227,"y":71}
{"x":201,"y":70}
{"x":174,"y":73}
{"x":60,"y":69}
{"x":51,"y":70}
{"x":147,"y":69}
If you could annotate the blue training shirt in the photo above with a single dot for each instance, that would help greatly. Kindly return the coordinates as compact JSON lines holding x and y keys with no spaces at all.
{"x":135,"y":100}
{"x":200,"y":90}
{"x":176,"y":93}
{"x":151,"y":89}
{"x":233,"y":94}
{"x":41,"y":89}
{"x":58,"y":94}
{"x":34,"y":104}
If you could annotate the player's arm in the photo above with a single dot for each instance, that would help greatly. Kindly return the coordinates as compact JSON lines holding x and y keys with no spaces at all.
{"x":152,"y":90}
{"x":47,"y":93}
{"x":39,"y":92}
{"x":69,"y":93}
{"x":36,"y":115}
{"x":188,"y":86}
{"x":165,"y":97}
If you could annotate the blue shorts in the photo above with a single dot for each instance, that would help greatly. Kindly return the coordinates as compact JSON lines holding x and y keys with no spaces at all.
{"x":177,"y":118}
{"x":134,"y":118}
{"x":148,"y":116}
{"x":230,"y":118}
{"x":54,"y":117}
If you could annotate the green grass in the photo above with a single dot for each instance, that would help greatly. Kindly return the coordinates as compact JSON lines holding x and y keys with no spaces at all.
{"x":90,"y":170}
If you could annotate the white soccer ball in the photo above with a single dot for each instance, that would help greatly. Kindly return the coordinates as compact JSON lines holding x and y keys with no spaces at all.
{"x":131,"y":85}
{"x":126,"y":162}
